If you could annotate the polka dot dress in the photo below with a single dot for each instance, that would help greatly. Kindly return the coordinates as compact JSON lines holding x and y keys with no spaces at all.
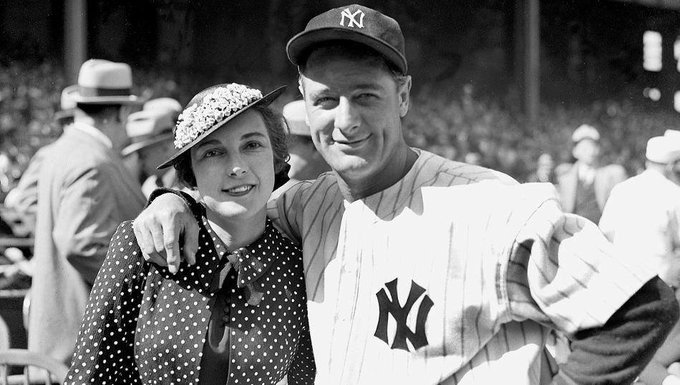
{"x":232,"y":318}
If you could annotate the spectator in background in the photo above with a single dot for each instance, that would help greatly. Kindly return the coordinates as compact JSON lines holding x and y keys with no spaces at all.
{"x":642,"y":219}
{"x":305,"y":161}
{"x":150,"y":132}
{"x":545,"y":170}
{"x":585,"y":186}
{"x":473,"y":158}
{"x":23,"y":199}
{"x":84,"y":192}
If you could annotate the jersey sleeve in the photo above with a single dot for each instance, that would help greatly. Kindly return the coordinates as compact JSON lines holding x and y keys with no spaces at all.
{"x":563,"y":272}
{"x":285,"y":209}
{"x":105,"y":349}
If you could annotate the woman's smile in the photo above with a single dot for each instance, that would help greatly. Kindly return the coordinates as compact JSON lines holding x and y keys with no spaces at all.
{"x":239,"y":190}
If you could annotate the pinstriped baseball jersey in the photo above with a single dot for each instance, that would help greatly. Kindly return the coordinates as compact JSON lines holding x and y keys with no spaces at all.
{"x":447,"y":276}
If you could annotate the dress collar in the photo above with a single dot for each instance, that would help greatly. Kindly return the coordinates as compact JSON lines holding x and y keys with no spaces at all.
{"x":250,"y":262}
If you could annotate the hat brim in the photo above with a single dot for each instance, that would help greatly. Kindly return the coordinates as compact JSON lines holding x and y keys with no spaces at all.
{"x":134,"y":147}
{"x":117,"y":99}
{"x":265,"y":101}
{"x":304,"y":40}
{"x":62,"y":115}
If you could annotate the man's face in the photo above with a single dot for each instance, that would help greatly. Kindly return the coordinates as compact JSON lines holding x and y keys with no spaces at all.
{"x":153,"y":155}
{"x":587,"y":151}
{"x":354,"y":109}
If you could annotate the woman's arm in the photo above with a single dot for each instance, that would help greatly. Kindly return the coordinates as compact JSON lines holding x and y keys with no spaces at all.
{"x":105,"y":348}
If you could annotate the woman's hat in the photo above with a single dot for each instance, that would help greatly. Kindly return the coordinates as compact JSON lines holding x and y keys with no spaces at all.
{"x":104,"y":82}
{"x":211,"y":109}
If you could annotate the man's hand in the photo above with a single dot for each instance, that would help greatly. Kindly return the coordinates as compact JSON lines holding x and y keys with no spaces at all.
{"x":158,"y":230}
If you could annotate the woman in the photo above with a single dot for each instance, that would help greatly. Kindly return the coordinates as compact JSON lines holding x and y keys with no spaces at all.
{"x":237,"y":316}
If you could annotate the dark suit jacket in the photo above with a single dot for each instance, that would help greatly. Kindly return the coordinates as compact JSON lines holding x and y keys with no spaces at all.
{"x":605,"y":179}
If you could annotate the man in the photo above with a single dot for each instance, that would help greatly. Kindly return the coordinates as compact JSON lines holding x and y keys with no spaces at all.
{"x":545,"y":170}
{"x":305,"y":161}
{"x":84,"y":192}
{"x":23,"y":199}
{"x":585,"y":186}
{"x":150,"y":132}
{"x":421,"y":270}
{"x":642,"y":218}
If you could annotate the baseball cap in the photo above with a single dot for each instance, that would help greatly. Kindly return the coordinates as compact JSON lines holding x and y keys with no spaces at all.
{"x":663,"y":149}
{"x":352,"y":23}
{"x":585,"y":131}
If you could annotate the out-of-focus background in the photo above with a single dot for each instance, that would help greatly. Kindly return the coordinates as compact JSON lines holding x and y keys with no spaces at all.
{"x":506,"y":79}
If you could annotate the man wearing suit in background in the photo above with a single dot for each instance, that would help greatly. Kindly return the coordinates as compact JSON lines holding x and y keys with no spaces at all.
{"x":84,"y":192}
{"x":585,"y":187}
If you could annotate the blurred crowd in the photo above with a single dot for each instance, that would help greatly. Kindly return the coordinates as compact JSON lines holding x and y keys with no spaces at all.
{"x":462,"y":126}
{"x":29,"y":97}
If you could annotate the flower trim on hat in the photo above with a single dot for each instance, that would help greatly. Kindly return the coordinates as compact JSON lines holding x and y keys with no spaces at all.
{"x":215,"y":107}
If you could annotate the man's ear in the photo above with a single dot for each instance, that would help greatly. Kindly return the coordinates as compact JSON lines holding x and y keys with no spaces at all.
{"x":404,"y":95}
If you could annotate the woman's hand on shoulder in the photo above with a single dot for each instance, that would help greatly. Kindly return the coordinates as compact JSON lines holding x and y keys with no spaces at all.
{"x":161,"y":226}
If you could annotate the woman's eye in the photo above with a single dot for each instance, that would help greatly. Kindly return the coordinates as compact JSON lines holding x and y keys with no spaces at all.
{"x":211,"y":153}
{"x":253,"y":145}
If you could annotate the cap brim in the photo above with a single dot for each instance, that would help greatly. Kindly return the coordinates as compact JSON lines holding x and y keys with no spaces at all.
{"x":265,"y":101}
{"x":301,"y":42}
{"x":134,"y":147}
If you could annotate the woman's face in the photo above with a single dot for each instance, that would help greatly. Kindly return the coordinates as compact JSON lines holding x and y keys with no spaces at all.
{"x":234,"y":169}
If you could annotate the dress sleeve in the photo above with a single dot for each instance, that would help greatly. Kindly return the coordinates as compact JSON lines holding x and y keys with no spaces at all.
{"x":303,"y":369}
{"x":105,"y":348}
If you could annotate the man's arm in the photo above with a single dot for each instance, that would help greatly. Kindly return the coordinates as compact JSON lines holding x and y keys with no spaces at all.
{"x":616,"y":352}
{"x":563,"y":272}
{"x":163,"y":224}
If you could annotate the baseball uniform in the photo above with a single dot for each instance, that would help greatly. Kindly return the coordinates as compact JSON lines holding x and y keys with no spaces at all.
{"x":452,"y":275}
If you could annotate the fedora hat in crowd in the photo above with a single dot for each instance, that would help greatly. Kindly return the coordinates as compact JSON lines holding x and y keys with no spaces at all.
{"x":585,"y":131}
{"x":296,"y":118}
{"x":168,"y":104}
{"x":211,"y":109}
{"x":67,"y":104}
{"x":104,"y":82}
{"x":148,"y":127}
{"x":352,"y":23}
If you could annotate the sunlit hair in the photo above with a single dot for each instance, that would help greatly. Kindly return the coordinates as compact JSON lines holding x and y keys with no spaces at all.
{"x":277,"y":136}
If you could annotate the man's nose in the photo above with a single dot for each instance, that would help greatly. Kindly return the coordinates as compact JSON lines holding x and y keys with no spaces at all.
{"x":346,"y":117}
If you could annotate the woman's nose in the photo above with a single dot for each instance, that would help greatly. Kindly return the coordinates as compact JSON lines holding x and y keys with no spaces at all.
{"x":237,"y":171}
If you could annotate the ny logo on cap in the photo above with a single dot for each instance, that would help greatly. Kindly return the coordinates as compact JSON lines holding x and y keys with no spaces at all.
{"x":352,"y":18}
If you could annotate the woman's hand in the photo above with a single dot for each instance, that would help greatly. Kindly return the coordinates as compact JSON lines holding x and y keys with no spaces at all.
{"x":159,"y":229}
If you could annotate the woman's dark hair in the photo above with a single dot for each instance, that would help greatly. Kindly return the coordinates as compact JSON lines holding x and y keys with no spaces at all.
{"x":277,"y":136}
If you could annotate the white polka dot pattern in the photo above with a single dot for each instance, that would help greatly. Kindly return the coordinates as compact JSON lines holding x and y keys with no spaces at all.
{"x":146,"y":326}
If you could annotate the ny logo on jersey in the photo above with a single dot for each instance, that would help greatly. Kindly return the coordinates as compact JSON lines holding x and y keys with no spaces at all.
{"x":400,"y":313}
{"x":352,"y":18}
